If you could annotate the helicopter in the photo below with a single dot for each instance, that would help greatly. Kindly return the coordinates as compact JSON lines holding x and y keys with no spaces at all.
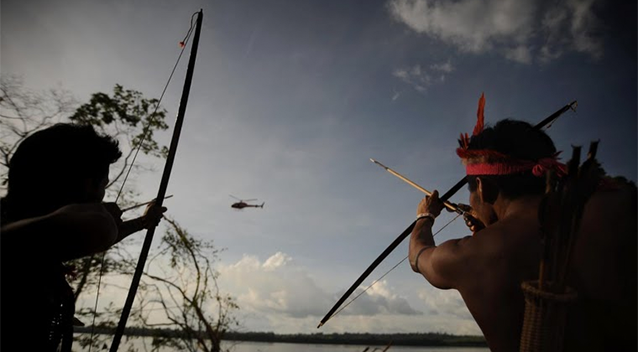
{"x":242,"y":204}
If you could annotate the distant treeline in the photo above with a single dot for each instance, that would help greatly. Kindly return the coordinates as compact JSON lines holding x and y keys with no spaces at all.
{"x":405,"y":339}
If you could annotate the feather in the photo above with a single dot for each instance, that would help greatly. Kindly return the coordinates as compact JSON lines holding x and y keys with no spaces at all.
{"x":480,"y":119}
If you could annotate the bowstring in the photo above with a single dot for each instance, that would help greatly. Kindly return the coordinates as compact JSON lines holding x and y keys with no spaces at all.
{"x":387,"y":272}
{"x":145,"y":135}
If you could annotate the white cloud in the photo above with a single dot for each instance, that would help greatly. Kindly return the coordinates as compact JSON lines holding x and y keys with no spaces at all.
{"x":520,"y":54}
{"x":517,"y":29}
{"x":471,"y":25}
{"x":276,"y":261}
{"x":275,"y":286}
{"x":444,"y":303}
{"x":379,"y":299}
{"x":421,"y":78}
{"x":277,"y":293}
{"x":569,"y":26}
{"x":443,"y":67}
{"x":401,"y":73}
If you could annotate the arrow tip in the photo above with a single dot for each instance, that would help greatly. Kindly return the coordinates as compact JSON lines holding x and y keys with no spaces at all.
{"x":378,"y":163}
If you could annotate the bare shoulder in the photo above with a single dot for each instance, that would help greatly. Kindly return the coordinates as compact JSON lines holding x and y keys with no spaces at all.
{"x":494,"y":240}
{"x":505,"y":236}
{"x":469,"y":255}
{"x":500,"y":249}
{"x":470,"y":246}
{"x":510,"y":248}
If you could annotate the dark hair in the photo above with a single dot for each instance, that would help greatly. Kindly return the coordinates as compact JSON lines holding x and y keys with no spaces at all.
{"x":47,"y":168}
{"x":519,"y":140}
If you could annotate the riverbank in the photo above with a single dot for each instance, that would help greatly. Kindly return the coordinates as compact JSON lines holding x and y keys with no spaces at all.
{"x":404,"y":339}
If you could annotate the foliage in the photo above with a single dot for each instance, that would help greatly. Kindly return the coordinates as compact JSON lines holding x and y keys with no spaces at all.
{"x":23,"y":112}
{"x":124,"y":112}
{"x":177,"y":294}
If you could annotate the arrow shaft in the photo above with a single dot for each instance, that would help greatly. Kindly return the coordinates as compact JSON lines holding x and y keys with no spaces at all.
{"x":141,"y":204}
{"x":448,"y":205}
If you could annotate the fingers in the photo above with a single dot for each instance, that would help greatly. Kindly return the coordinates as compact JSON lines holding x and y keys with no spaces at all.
{"x":153,"y":215}
{"x":431,"y":204}
{"x":469,"y":223}
{"x":473,"y":223}
{"x":434,"y":204}
{"x":464,"y":207}
{"x":152,"y":207}
{"x":151,"y":222}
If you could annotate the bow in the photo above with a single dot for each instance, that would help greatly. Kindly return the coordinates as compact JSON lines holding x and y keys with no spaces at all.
{"x":444,"y":198}
{"x":162,"y":189}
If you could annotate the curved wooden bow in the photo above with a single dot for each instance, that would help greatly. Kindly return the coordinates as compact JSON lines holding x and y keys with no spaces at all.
{"x":162,"y":189}
{"x":444,"y":198}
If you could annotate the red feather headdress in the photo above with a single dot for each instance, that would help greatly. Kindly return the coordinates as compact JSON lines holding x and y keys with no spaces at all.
{"x":491,"y":162}
{"x":480,"y":123}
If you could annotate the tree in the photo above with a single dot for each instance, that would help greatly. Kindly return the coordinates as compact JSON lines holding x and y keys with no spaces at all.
{"x":23,"y":112}
{"x":178,"y":285}
{"x":125,"y":115}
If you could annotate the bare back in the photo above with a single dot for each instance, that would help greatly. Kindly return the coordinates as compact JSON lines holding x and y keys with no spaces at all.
{"x":507,"y":253}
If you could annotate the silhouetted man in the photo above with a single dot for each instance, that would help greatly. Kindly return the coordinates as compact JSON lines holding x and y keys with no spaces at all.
{"x":52,"y":213}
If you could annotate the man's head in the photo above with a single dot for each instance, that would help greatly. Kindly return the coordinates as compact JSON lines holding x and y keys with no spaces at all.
{"x":507,"y":161}
{"x":60,"y":165}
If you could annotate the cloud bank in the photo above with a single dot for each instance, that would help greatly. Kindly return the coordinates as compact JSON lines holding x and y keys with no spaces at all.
{"x":276,"y":295}
{"x":519,"y":30}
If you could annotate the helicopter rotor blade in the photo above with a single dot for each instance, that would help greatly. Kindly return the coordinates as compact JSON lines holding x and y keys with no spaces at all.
{"x":249,"y":200}
{"x":234,"y":197}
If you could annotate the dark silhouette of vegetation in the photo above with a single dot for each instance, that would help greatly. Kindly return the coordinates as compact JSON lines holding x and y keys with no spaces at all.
{"x":181,"y":288}
{"x":398,"y":339}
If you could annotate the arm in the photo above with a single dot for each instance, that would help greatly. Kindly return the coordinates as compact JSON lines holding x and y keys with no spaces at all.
{"x":443,"y":266}
{"x":130,"y":227}
{"x":63,"y":233}
{"x":151,"y":217}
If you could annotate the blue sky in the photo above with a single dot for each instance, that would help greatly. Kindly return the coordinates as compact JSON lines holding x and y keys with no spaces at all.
{"x":291,"y":99}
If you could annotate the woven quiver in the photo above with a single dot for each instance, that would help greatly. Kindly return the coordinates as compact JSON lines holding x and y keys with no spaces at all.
{"x":545,"y":317}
